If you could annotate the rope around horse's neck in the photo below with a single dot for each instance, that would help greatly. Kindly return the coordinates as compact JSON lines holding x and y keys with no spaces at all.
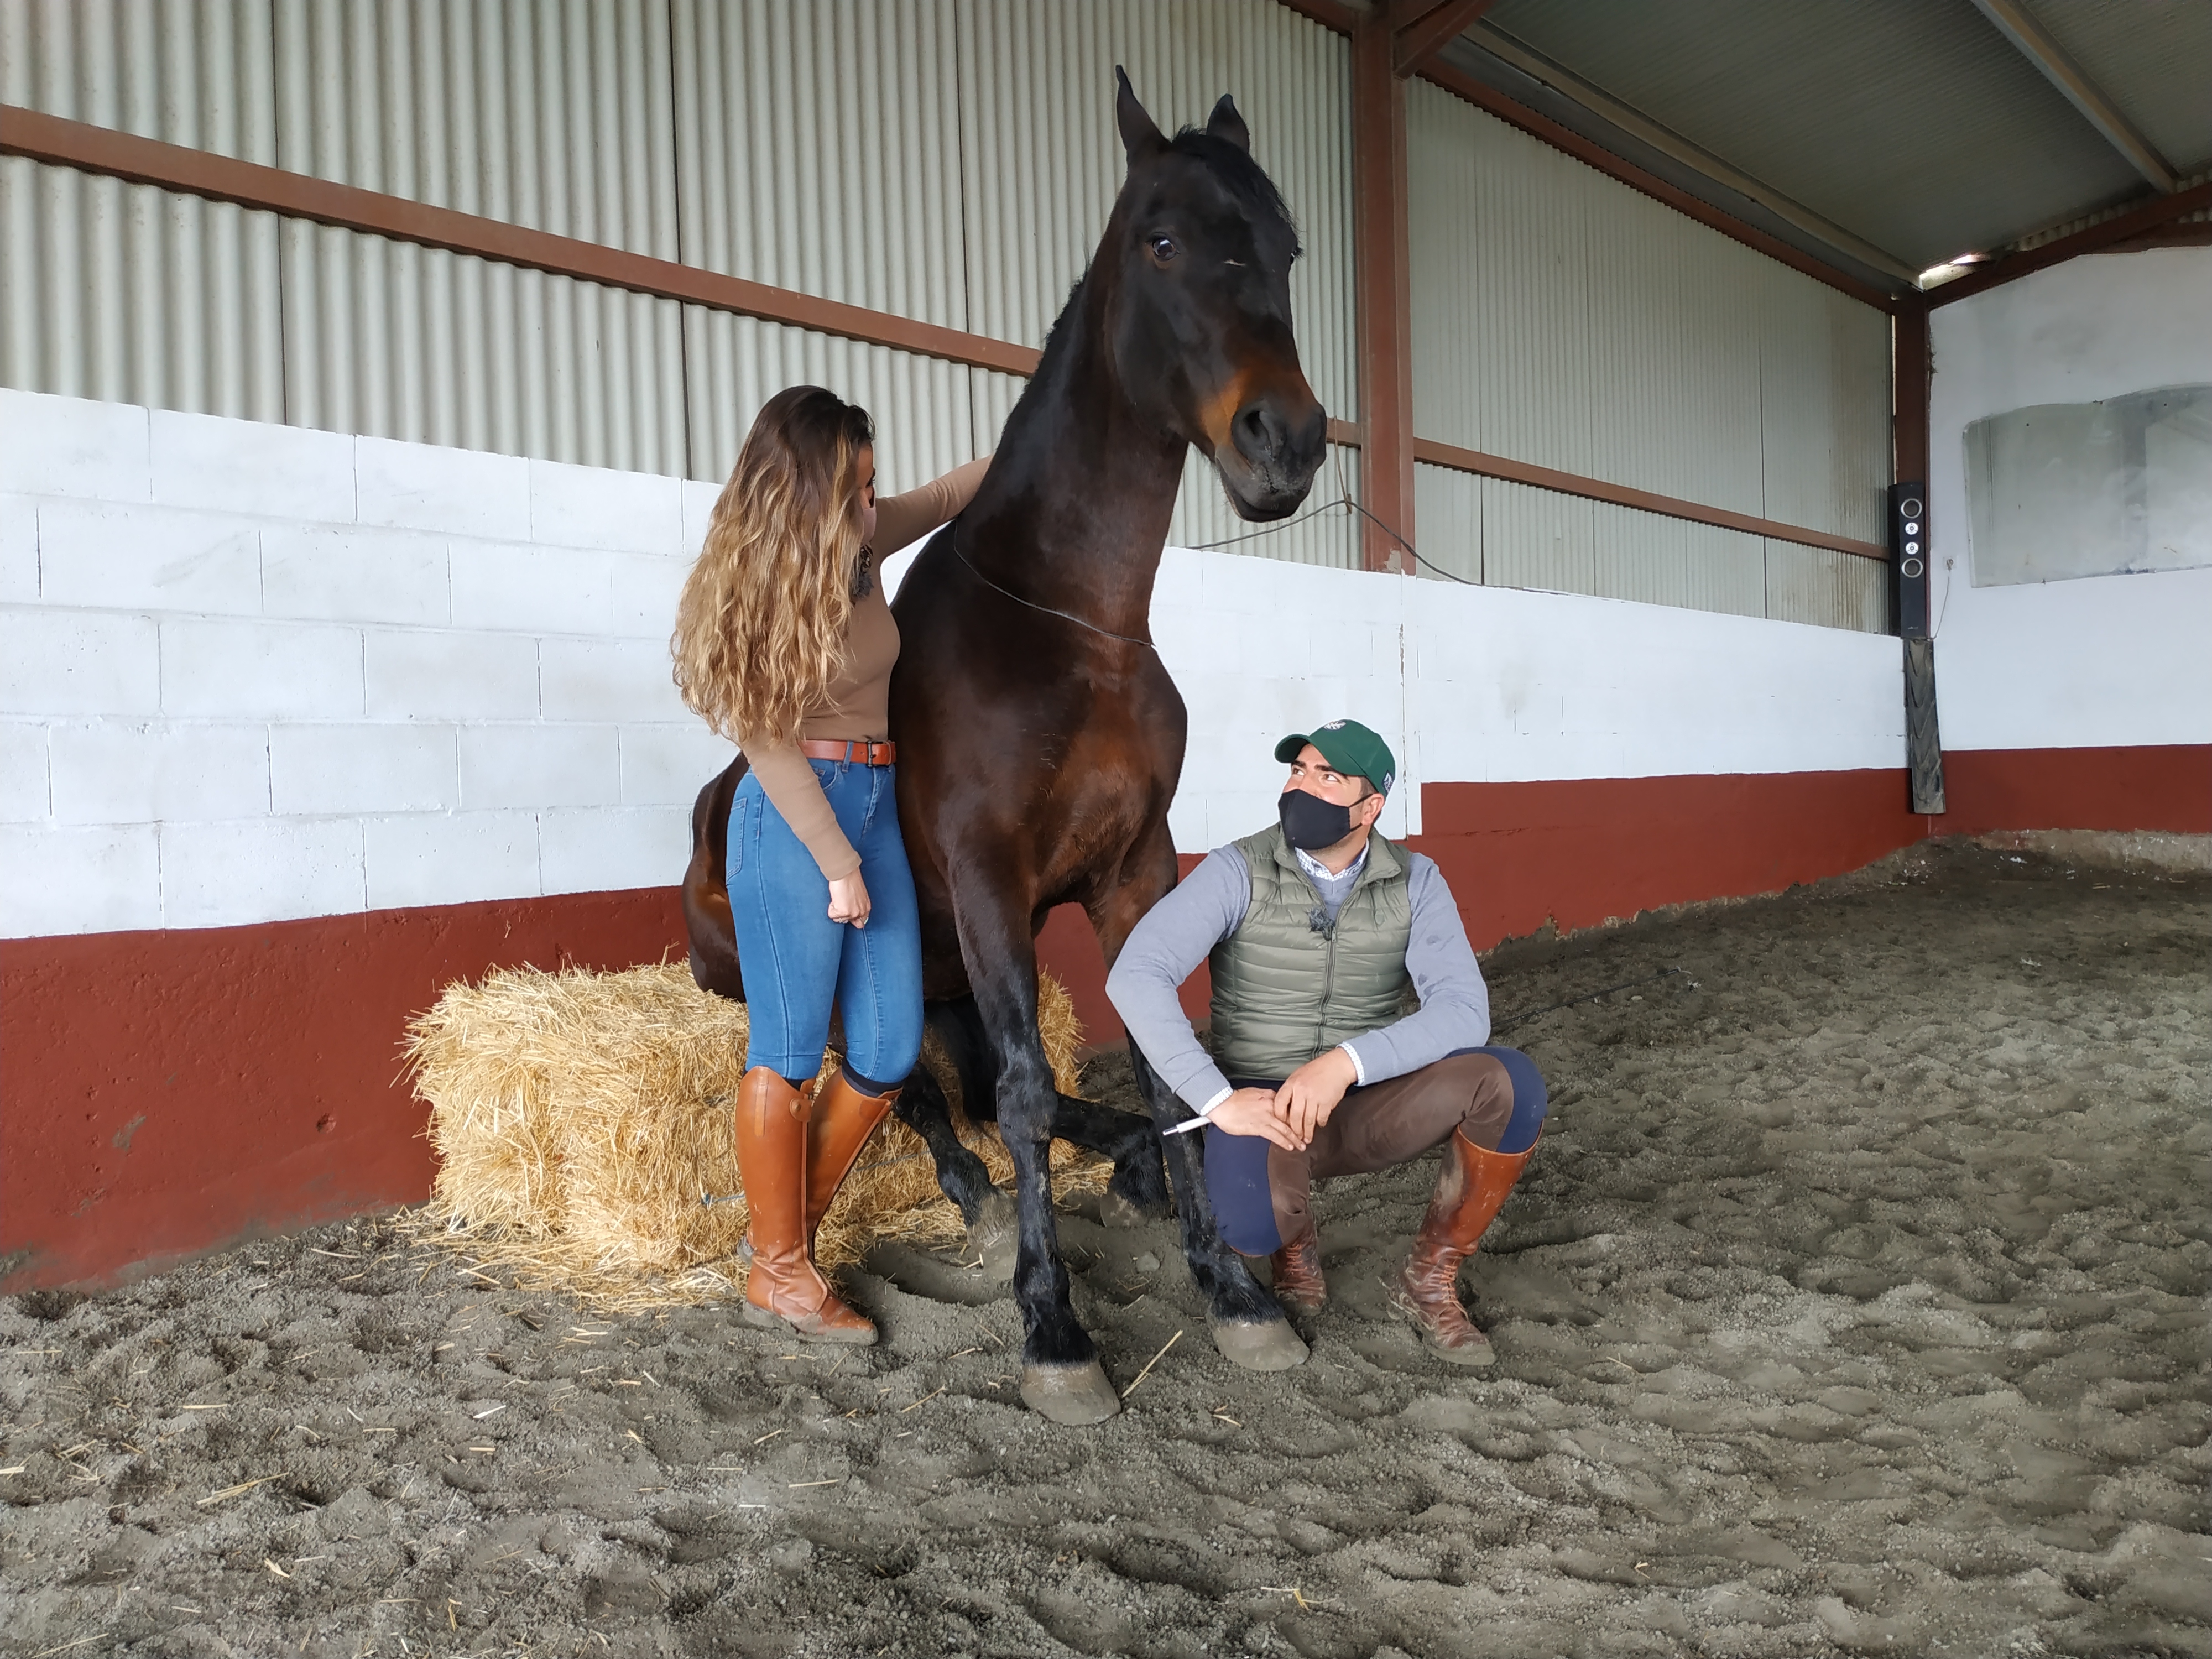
{"x":1065,"y":616}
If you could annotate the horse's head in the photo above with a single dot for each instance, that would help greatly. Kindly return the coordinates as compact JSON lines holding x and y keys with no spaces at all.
{"x":1198,"y":251}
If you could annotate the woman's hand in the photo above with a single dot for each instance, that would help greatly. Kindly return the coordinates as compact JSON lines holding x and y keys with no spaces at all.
{"x":849,"y":900}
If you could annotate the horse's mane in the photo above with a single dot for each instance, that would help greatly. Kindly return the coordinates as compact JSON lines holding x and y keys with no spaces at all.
{"x":1234,"y":166}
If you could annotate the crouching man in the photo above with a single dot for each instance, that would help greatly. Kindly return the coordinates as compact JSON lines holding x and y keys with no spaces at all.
{"x":1322,"y":935}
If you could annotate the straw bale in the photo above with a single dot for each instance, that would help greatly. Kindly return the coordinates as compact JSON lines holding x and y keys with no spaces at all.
{"x":582,"y":1123}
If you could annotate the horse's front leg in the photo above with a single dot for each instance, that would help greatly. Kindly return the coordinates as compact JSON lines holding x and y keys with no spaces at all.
{"x":1061,"y":1378}
{"x":1246,"y":1323}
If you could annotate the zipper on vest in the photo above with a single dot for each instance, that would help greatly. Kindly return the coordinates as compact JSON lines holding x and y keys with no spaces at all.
{"x":1327,"y":980}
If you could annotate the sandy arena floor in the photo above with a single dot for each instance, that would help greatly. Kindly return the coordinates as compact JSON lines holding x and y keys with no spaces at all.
{"x":1856,"y":1301}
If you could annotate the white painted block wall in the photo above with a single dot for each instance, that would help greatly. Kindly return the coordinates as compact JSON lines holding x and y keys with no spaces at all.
{"x":2097,"y":662}
{"x":249,"y":672}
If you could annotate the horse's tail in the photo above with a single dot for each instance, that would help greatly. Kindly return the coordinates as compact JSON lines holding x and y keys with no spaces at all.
{"x":708,"y":927}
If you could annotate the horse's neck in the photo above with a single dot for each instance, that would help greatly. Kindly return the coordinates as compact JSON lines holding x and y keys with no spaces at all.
{"x":1075,"y":510}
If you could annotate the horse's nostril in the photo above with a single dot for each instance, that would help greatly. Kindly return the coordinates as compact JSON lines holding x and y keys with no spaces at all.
{"x":1259,"y":432}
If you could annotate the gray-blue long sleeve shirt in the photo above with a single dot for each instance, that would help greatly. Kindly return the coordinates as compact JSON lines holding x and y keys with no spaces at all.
{"x":1181,"y":931}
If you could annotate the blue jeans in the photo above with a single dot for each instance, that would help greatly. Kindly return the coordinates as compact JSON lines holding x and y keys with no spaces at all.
{"x":798,"y":963}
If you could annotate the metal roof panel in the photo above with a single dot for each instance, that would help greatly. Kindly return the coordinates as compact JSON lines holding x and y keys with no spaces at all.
{"x":1914,"y":125}
{"x":2153,"y":58}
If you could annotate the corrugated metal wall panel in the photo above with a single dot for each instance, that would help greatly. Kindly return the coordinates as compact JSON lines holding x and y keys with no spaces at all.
{"x":400,"y":341}
{"x":991,"y":398}
{"x":1538,"y":539}
{"x":1675,"y":354}
{"x":1833,"y":590}
{"x":1566,"y":319}
{"x":136,"y":296}
{"x":1823,"y":373}
{"x":818,"y":149}
{"x":191,"y":72}
{"x":1041,"y":161}
{"x":123,"y":291}
{"x":1501,"y":254}
{"x":733,"y":365}
{"x":1663,"y":561}
{"x":1448,"y":508}
{"x":557,"y":114}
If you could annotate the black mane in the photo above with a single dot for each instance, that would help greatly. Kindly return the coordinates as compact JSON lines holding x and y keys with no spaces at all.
{"x":1246,"y":180}
{"x":1247,"y":184}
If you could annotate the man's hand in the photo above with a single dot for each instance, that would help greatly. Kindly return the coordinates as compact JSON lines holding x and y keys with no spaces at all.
{"x":1309,"y":1094}
{"x":1255,"y":1112}
{"x":849,"y":900}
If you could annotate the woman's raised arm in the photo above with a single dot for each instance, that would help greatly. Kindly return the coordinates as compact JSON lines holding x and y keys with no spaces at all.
{"x":902,"y":520}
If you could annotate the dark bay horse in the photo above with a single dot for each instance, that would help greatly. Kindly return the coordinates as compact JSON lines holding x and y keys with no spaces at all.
{"x":1040,"y":737}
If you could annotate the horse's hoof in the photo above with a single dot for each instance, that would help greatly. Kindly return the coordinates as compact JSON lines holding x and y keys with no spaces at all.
{"x":994,"y":1237}
{"x":1259,"y":1346}
{"x":1078,"y":1395}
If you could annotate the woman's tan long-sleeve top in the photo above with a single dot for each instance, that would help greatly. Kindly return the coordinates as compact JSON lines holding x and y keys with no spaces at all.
{"x":857,"y":703}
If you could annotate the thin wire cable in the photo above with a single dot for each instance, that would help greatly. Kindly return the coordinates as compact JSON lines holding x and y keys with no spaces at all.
{"x":1344,"y":500}
{"x":1065,"y":616}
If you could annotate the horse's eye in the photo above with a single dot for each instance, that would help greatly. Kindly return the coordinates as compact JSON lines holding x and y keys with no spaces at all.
{"x":1163,"y":248}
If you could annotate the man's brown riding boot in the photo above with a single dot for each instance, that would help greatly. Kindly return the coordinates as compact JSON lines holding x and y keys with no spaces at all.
{"x":784,"y":1290}
{"x":1298,"y":1281}
{"x":1469,"y":1196}
{"x":843,"y":1120}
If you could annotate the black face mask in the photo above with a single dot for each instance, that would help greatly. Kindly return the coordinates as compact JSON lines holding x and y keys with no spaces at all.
{"x":1309,"y":822}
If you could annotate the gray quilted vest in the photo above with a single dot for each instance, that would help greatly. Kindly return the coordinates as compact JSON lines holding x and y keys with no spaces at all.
{"x":1287,"y":987}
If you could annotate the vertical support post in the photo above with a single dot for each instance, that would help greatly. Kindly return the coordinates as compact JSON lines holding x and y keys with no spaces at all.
{"x":1382,"y":281}
{"x":1924,"y":737}
{"x":1908,"y":385}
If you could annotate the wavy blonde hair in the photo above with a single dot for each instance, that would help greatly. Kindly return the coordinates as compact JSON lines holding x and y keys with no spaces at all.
{"x":760,"y":630}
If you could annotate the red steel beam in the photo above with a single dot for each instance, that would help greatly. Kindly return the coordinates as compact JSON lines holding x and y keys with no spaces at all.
{"x":49,"y":138}
{"x":1672,"y":507}
{"x":1419,"y":41}
{"x":2151,"y":215}
{"x":145,"y":160}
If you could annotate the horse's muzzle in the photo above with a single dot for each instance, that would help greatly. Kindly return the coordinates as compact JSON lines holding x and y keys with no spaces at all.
{"x":1278,"y":445}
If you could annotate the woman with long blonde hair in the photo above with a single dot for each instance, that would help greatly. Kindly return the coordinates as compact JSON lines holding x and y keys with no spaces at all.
{"x":784,"y":644}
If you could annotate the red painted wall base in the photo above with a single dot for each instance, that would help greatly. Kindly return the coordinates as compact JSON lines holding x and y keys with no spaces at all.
{"x":1577,"y":854}
{"x":169,"y":1093}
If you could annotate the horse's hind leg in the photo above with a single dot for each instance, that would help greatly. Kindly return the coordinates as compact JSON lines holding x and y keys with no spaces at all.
{"x":1246,"y":1321}
{"x":1139,"y":1190}
{"x":923,"y":1107}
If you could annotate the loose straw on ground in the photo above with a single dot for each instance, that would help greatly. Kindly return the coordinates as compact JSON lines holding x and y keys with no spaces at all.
{"x":1149,"y":1363}
{"x":583,"y":1126}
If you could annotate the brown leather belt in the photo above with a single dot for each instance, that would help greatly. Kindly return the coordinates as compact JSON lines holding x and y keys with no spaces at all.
{"x":859,"y":752}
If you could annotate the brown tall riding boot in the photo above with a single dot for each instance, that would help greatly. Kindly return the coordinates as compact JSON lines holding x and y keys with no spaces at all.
{"x":1469,"y":1196}
{"x":843,"y":1120}
{"x":784,"y":1289}
{"x":1298,"y":1281}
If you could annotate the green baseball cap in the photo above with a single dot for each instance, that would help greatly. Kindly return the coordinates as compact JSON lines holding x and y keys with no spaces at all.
{"x":1349,"y":747}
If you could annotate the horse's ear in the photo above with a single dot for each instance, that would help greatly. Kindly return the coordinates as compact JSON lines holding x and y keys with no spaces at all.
{"x":1226,"y":123}
{"x":1139,"y":136}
